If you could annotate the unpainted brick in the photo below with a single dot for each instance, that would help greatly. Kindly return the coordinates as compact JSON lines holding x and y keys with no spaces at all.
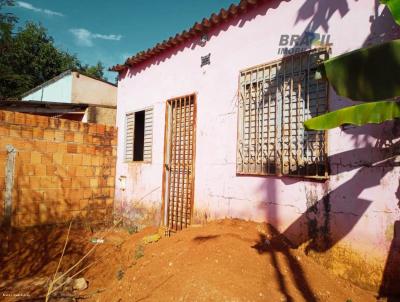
{"x":72,"y":171}
{"x":86,"y":160}
{"x":34,"y":182}
{"x":26,"y":133}
{"x":89,"y":171}
{"x":92,"y":128}
{"x":40,"y":146}
{"x":15,"y":131}
{"x":80,"y":171}
{"x":78,"y":138}
{"x":101,"y":129}
{"x":47,"y":158}
{"x":42,"y":121}
{"x":87,"y":193}
{"x":36,"y":157}
{"x":54,"y":195}
{"x":49,"y":134}
{"x":58,"y":158}
{"x":110,"y":181}
{"x":80,"y":182}
{"x":91,"y":150}
{"x":87,"y":139}
{"x":19,"y":118}
{"x":84,"y":204}
{"x":66,"y":182}
{"x":46,"y":182}
{"x":109,"y":202}
{"x":59,"y":168}
{"x":4,"y":130}
{"x":30,"y":120}
{"x":9,"y":117}
{"x":26,"y":169}
{"x":77,"y":159}
{"x":38,"y":133}
{"x":40,"y":170}
{"x":51,"y":147}
{"x":94,"y":182}
{"x":2,"y":184}
{"x":58,"y":136}
{"x":69,"y":136}
{"x":24,"y":156}
{"x":54,"y":123}
{"x":72,"y":148}
{"x":74,"y":126}
{"x":62,"y":147}
{"x":65,"y":125}
{"x":27,"y":196}
{"x":67,"y":159}
{"x":23,"y":182}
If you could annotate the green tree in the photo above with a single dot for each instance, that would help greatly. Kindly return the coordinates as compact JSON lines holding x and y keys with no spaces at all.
{"x":368,"y":75}
{"x":96,"y":71}
{"x":29,"y":57}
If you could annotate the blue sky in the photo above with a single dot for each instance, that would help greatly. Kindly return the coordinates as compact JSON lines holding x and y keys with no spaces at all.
{"x":110,"y":31}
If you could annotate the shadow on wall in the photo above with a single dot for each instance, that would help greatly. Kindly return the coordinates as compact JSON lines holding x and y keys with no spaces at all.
{"x":329,"y":219}
{"x":35,"y":252}
{"x":50,"y":193}
{"x":382,"y":28}
{"x":391,"y":273}
{"x":320,"y":13}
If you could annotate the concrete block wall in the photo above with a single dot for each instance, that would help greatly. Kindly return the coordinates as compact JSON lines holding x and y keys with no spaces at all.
{"x":63,"y":169}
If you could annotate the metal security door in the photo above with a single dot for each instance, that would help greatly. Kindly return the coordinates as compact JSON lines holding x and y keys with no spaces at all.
{"x":179,"y":158}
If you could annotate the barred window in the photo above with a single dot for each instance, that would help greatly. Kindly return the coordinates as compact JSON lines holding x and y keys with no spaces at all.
{"x":274,"y":101}
{"x":139,"y":135}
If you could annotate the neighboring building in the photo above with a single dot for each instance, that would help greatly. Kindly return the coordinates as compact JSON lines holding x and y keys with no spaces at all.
{"x":211,"y":126}
{"x":73,"y":87}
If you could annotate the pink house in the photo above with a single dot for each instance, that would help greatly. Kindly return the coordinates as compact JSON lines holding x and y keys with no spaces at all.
{"x":211,"y":126}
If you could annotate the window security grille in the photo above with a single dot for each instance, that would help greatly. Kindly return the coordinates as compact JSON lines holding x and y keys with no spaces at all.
{"x":274,"y":101}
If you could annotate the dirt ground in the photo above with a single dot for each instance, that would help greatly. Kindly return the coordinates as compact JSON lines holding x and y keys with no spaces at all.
{"x":225,"y":260}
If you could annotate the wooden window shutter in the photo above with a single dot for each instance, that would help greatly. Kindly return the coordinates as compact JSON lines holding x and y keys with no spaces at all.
{"x":129,"y":135}
{"x":148,"y":135}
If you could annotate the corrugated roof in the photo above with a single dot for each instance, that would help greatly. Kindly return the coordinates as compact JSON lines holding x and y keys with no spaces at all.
{"x":196,"y":30}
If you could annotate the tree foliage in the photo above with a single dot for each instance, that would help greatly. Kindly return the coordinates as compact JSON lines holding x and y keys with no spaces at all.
{"x":29,"y":57}
{"x":96,"y":71}
{"x":367,"y":113}
{"x":366,"y":75}
{"x":394,"y":7}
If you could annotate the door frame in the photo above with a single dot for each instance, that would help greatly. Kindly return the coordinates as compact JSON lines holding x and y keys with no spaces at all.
{"x":167,"y":143}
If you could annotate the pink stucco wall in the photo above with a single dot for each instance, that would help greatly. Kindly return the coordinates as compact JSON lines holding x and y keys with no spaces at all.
{"x":356,"y":209}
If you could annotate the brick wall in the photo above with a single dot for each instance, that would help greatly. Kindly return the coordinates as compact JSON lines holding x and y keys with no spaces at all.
{"x":63,"y":169}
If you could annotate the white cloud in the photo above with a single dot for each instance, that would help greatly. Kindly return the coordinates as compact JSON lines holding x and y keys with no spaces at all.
{"x":85,"y":38}
{"x":46,"y":11}
{"x":52,"y":13}
{"x":107,"y":37}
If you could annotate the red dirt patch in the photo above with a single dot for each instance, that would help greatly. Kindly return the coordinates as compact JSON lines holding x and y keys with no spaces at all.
{"x":226,"y":260}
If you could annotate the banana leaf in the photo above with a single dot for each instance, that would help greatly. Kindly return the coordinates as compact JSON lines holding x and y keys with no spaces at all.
{"x":373,"y":112}
{"x":394,"y":7}
{"x":367,"y":74}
